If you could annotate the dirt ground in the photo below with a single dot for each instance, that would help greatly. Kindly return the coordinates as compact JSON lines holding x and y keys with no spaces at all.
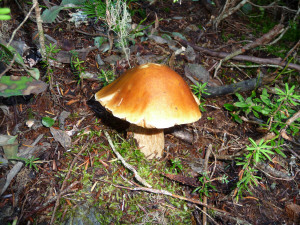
{"x":31,"y":195}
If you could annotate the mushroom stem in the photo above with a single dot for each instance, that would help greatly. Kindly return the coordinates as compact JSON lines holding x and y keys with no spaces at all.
{"x":151,"y":141}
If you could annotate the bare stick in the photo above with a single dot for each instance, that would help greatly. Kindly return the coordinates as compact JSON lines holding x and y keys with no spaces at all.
{"x":206,"y":214}
{"x":273,"y":61}
{"x":128,"y":166}
{"x":65,"y":182}
{"x":227,"y":11}
{"x":283,"y":131}
{"x":40,"y":28}
{"x":21,"y":24}
{"x":258,"y":42}
{"x":208,"y":152}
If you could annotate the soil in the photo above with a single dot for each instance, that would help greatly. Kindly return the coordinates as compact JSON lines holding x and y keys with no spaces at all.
{"x":268,"y":200}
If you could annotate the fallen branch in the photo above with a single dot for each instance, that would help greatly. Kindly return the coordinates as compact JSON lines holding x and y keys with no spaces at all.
{"x":128,"y":166}
{"x":266,"y":38}
{"x":242,"y":86}
{"x":273,"y":61}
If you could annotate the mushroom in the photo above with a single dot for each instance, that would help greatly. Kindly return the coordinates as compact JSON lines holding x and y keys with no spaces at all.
{"x":150,"y":97}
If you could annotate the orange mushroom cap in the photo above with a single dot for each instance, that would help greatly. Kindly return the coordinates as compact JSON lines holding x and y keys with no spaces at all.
{"x":151,"y":96}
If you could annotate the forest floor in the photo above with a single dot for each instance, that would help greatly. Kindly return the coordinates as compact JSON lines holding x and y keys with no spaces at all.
{"x":74,"y":172}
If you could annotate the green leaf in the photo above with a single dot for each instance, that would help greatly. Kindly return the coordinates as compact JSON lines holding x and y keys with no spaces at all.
{"x":176,"y":34}
{"x":49,"y":15}
{"x":240,"y":97}
{"x":12,"y":51}
{"x":229,"y":107}
{"x":34,"y":72}
{"x":7,"y":139}
{"x":241,"y":105}
{"x":256,"y":114}
{"x":278,"y":151}
{"x":4,"y":11}
{"x":236,"y":118}
{"x":98,"y":41}
{"x":15,"y":85}
{"x":75,"y":2}
{"x":47,"y":121}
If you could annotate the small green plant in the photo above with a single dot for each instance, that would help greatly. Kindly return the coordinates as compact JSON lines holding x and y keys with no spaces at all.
{"x":31,"y":162}
{"x":118,"y":20}
{"x":77,"y":65}
{"x":106,"y":77}
{"x":51,"y":51}
{"x":272,"y":110}
{"x":200,"y":89}
{"x":95,"y":9}
{"x":206,"y":186}
{"x":176,"y":165}
{"x":255,"y":154}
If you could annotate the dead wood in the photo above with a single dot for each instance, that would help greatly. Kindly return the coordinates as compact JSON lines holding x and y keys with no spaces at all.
{"x":272,"y":61}
{"x":242,"y":86}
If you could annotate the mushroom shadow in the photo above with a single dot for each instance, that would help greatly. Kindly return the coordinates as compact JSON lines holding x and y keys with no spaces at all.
{"x":107,"y":118}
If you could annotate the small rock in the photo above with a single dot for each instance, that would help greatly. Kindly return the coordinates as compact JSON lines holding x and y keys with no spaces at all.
{"x":190,"y":54}
{"x":99,"y":60}
{"x":196,"y":72}
{"x":112,"y":59}
{"x":104,"y":47}
{"x":191,"y":27}
{"x":158,"y":39}
{"x":148,"y":59}
{"x":88,"y":75}
{"x":62,"y":117}
{"x":62,"y":137}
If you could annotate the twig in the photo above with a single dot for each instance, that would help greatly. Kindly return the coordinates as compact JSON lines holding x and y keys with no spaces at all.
{"x":258,"y":42}
{"x":21,"y":24}
{"x":292,"y":119}
{"x":275,"y":174}
{"x":295,"y":19}
{"x":9,"y":66}
{"x":208,"y":152}
{"x":228,"y":11}
{"x":65,"y":181}
{"x":273,"y":5}
{"x":289,"y":122}
{"x":40,"y":28}
{"x":128,"y":166}
{"x":93,"y":35}
{"x":273,"y":61}
{"x":206,"y":214}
